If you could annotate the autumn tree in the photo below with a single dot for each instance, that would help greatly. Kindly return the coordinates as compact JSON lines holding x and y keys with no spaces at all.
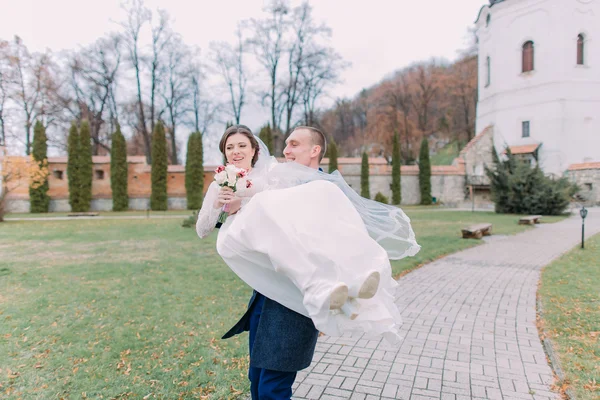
{"x":18,"y":171}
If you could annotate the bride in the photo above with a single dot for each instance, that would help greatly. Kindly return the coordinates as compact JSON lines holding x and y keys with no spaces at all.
{"x":306,"y":240}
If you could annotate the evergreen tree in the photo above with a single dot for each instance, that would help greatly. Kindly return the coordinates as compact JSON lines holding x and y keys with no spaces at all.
{"x":38,"y":191}
{"x":396,"y":185}
{"x":73,"y":168}
{"x":364,"y":177}
{"x":158,"y":199}
{"x":266,"y":135}
{"x":333,"y":156}
{"x":86,"y":167}
{"x":519,"y":188}
{"x":194,"y":172}
{"x":425,"y":173}
{"x":118,"y":171}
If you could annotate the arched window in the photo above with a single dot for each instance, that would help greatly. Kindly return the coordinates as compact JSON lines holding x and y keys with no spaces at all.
{"x":528,"y":56}
{"x":488,"y":68}
{"x":580,"y":49}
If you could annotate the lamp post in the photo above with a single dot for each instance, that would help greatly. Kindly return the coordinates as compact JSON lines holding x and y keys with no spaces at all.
{"x":583,"y":212}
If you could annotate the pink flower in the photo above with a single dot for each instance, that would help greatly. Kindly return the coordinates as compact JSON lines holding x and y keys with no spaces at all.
{"x":242,"y":173}
{"x":220,"y":168}
{"x":248,"y":184}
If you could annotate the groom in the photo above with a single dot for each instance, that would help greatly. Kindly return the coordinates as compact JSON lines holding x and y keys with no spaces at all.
{"x":282,"y":342}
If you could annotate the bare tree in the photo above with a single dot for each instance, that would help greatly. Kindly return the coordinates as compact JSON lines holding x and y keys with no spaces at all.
{"x":463,"y":86}
{"x":4,"y":87}
{"x":161,"y":39}
{"x":400,"y":98}
{"x":137,"y":16}
{"x":176,"y":91}
{"x":304,"y":48}
{"x":425,"y":90}
{"x":94,"y":73}
{"x":268,"y":45}
{"x":323,"y":69}
{"x":231,"y":67}
{"x":31,"y":82}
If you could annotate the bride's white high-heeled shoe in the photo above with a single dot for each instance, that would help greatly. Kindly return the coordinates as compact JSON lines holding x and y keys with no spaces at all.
{"x":369,"y":287}
{"x":338,"y":296}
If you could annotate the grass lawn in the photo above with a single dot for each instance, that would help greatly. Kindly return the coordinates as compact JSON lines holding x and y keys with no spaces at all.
{"x":102,"y":214}
{"x":570,"y":296}
{"x":134,"y":308}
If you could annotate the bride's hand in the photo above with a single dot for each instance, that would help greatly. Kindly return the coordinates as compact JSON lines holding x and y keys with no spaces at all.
{"x":226,"y":195}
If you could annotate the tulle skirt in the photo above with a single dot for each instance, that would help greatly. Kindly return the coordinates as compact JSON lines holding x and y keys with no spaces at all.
{"x":294,"y":245}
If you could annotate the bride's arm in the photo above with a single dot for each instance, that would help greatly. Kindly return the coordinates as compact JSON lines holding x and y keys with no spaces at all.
{"x":208,"y":215}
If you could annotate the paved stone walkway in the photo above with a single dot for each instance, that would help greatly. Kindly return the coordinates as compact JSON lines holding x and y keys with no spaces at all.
{"x":469,"y":329}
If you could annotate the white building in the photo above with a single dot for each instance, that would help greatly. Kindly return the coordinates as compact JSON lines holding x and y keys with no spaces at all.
{"x":539,"y":79}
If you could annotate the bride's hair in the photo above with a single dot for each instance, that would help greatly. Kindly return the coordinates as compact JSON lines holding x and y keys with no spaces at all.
{"x":244,"y":130}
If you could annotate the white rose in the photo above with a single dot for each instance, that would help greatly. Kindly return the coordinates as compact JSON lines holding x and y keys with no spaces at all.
{"x":232,"y":172}
{"x":221,"y":177}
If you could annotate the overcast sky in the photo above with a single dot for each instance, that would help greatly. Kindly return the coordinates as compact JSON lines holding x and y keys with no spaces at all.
{"x":376,"y":36}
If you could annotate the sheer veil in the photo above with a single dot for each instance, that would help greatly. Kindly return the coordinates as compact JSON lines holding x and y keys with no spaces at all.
{"x":386,"y":224}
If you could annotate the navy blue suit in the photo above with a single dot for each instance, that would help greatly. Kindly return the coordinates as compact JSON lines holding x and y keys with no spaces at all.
{"x":282,"y":342}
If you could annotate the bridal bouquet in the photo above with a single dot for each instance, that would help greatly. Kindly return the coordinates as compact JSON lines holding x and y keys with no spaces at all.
{"x":234,"y":178}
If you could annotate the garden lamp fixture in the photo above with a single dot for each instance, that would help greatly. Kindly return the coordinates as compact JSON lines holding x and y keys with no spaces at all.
{"x":583,"y":212}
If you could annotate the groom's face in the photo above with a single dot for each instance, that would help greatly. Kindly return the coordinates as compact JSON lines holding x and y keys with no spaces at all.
{"x":300,"y":147}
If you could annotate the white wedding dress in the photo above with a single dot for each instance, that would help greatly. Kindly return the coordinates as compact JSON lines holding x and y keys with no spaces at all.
{"x":298,"y":234}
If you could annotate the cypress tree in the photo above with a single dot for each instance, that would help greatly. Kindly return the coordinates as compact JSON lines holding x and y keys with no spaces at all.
{"x":38,"y":191}
{"x":86,"y":167}
{"x":118,"y":171}
{"x":158,"y":199}
{"x":364,"y":177}
{"x":73,"y":168}
{"x":425,"y":173}
{"x":333,"y":156}
{"x":266,"y":135}
{"x":194,"y":171}
{"x":396,"y":185}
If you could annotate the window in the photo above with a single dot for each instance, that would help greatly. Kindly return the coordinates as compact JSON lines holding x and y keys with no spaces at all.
{"x":580,"y":49}
{"x":488,"y":68}
{"x":528,"y":56}
{"x":525,"y":128}
{"x":99,"y":174}
{"x":58,"y":174}
{"x":589,"y":186}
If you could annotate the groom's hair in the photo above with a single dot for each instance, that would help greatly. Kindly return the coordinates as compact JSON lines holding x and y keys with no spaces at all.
{"x":318,"y":139}
{"x":244,"y":130}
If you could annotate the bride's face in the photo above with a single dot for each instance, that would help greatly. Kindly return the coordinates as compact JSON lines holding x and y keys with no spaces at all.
{"x":239,"y":151}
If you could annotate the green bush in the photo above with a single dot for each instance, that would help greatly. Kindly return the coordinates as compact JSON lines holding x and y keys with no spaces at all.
{"x":396,"y":185}
{"x":194,"y":172}
{"x":118,"y":171}
{"x":425,"y":173}
{"x":519,"y":188}
{"x":364,"y":177}
{"x":266,"y":135}
{"x":73,"y":168}
{"x":380,"y":197}
{"x":190,"y":222}
{"x":158,"y":198}
{"x":38,"y":191}
{"x":86,"y":166}
{"x":332,"y":153}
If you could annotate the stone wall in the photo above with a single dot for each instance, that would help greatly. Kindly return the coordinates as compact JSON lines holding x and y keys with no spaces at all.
{"x":587,"y":177}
